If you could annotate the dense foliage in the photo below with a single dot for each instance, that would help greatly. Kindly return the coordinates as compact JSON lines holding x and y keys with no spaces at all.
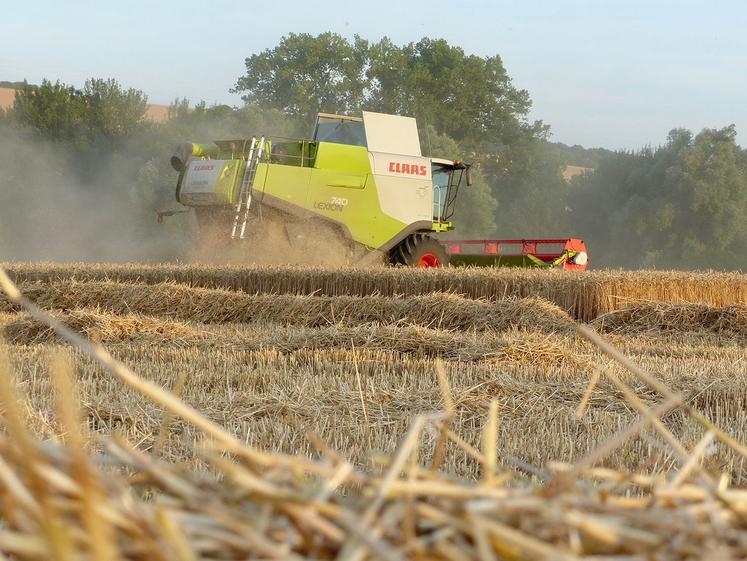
{"x":83,"y":165}
{"x":680,"y":205}
{"x":464,"y":96}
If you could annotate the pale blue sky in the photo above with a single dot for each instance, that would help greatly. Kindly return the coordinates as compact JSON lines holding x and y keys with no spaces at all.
{"x":601,"y":73}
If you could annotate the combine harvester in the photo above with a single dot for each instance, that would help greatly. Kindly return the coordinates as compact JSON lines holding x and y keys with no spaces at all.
{"x":362,"y":180}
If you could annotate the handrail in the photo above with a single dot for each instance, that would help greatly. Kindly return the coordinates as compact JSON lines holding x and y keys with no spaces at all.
{"x":438,"y":217}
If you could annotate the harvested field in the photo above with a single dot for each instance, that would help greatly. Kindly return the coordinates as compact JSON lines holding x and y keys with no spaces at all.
{"x":326,"y":401}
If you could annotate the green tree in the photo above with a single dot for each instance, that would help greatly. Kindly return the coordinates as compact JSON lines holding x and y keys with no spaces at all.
{"x":704,"y":212}
{"x":526,"y":178}
{"x":304,"y":75}
{"x":222,"y":121}
{"x":470,"y":98}
{"x":110,"y":110}
{"x":52,"y":111}
{"x":681,"y":205}
{"x":61,"y":112}
{"x":475,"y":208}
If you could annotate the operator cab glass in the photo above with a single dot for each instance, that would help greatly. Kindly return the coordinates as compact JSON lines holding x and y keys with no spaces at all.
{"x":340,"y":130}
{"x":441,"y":180}
{"x":446,"y":181}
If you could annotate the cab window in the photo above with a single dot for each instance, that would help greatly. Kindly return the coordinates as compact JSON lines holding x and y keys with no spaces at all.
{"x":441,"y":181}
{"x":340,"y":131}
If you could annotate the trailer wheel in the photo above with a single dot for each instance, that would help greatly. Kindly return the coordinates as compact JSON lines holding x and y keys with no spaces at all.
{"x":420,"y":250}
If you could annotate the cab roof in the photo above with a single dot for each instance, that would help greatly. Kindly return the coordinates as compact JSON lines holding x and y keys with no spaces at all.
{"x":379,"y":132}
{"x":342,"y":117}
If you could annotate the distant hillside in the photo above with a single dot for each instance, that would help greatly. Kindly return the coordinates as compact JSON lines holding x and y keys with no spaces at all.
{"x":569,"y":172}
{"x":577,"y":156}
{"x":7,"y":96}
{"x":576,"y":160}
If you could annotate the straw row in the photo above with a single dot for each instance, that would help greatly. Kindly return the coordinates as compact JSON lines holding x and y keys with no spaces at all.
{"x":437,"y":310}
{"x":214,"y":306}
{"x":405,"y":339}
{"x":21,"y":329}
{"x":584,"y":295}
{"x":644,"y":318}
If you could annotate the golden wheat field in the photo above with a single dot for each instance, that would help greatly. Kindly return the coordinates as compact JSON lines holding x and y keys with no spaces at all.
{"x":310,"y":413}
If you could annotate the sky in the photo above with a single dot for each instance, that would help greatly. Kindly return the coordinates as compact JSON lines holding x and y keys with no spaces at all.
{"x":616,"y":74}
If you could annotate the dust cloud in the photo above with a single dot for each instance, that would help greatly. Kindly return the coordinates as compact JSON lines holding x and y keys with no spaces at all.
{"x":273,"y":240}
{"x":70,"y":203}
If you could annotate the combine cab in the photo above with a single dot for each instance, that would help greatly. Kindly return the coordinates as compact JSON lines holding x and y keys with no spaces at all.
{"x":362,"y":180}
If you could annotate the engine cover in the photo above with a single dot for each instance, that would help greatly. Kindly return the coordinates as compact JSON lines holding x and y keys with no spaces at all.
{"x":210,"y":182}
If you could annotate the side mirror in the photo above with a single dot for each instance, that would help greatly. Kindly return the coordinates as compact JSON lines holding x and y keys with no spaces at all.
{"x":469,"y":177}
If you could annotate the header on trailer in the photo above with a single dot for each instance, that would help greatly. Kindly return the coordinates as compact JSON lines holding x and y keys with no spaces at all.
{"x":567,"y":253}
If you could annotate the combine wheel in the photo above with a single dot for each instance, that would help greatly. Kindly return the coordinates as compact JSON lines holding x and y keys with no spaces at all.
{"x":420,"y":250}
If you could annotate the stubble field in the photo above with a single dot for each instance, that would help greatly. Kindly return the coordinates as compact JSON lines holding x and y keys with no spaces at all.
{"x":340,"y":363}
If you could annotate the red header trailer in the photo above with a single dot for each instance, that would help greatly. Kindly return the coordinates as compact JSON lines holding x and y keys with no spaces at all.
{"x":568,"y":254}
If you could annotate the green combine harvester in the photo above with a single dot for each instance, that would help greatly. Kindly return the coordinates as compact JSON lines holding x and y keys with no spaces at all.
{"x":358,"y":179}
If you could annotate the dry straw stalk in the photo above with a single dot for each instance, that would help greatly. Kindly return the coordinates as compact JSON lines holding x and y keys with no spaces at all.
{"x":270,"y":506}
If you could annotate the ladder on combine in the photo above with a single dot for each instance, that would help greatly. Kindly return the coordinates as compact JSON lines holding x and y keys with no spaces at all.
{"x":256,"y":151}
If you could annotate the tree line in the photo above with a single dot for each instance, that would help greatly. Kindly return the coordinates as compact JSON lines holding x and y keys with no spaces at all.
{"x":678,"y":205}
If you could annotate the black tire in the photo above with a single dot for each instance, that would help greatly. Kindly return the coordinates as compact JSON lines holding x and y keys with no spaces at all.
{"x":419,"y":250}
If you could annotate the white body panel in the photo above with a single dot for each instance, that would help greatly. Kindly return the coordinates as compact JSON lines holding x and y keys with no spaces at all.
{"x":200,"y":180}
{"x":391,"y":134}
{"x":404,"y":186}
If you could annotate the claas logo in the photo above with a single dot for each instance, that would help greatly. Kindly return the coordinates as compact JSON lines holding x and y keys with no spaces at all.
{"x":204,"y":167}
{"x":407,"y":169}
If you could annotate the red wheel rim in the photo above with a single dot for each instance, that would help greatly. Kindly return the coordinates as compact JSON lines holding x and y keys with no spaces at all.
{"x":429,"y":260}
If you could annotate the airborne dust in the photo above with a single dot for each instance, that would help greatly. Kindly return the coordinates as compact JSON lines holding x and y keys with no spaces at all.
{"x":71,"y":203}
{"x":271,"y":241}
{"x":65,"y":202}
